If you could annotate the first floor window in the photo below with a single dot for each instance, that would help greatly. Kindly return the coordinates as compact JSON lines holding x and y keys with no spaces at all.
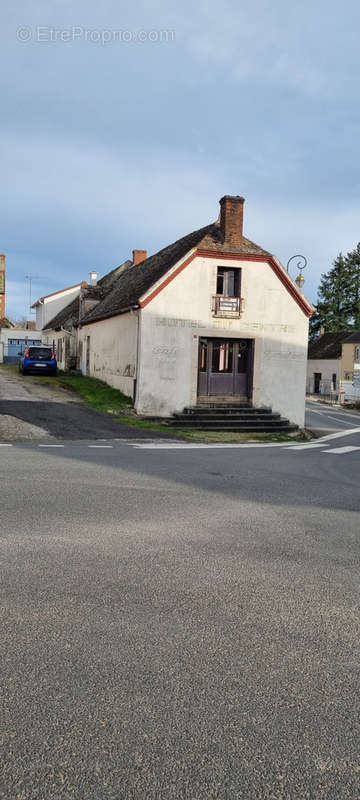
{"x":228,"y":282}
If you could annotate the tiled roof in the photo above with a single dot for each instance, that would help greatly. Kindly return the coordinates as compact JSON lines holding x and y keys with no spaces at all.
{"x":328,"y":345}
{"x":136,"y":280}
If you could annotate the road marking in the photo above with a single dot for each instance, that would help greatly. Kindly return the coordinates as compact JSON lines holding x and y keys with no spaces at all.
{"x":203,"y":446}
{"x":338,"y":435}
{"x":305,"y":446}
{"x":50,"y":445}
{"x":338,"y":411}
{"x":102,"y":446}
{"x":343,"y":421}
{"x":340,"y":450}
{"x":3,"y":444}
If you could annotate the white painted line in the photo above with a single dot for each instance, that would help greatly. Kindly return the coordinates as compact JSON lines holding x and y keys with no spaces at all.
{"x":340,"y":450}
{"x":343,"y":421}
{"x":3,"y":444}
{"x":338,"y":435}
{"x":51,"y":445}
{"x":203,"y":446}
{"x":305,"y":446}
{"x":338,"y":411}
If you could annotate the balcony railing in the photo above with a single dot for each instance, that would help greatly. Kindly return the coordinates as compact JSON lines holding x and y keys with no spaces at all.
{"x":223,"y":306}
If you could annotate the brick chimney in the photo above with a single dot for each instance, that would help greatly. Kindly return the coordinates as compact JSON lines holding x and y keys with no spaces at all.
{"x":231,"y":219}
{"x":139,"y":256}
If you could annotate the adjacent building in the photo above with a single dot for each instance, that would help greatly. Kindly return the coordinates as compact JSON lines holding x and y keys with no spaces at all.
{"x":48,"y":306}
{"x":333,"y":358}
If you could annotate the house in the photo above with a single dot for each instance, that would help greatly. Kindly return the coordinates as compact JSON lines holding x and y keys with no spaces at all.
{"x":61,"y":332}
{"x":350,"y":358}
{"x":48,"y":306}
{"x":14,"y":341}
{"x":212,"y":316}
{"x":333,"y":357}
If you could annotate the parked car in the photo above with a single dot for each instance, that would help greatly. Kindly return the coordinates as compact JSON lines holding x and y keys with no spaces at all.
{"x":38,"y":359}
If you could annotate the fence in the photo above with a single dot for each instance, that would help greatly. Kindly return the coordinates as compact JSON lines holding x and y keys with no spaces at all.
{"x":326,"y":389}
{"x":12,"y":350}
{"x":350,"y":392}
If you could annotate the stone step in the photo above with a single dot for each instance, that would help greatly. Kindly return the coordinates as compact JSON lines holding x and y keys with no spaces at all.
{"x":249,"y":413}
{"x":261,"y":428}
{"x":224,"y":424}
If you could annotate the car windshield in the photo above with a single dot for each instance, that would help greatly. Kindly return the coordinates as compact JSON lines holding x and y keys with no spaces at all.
{"x":40,"y":353}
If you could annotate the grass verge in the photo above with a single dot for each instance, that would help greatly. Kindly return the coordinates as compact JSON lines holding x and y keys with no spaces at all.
{"x":105,"y":398}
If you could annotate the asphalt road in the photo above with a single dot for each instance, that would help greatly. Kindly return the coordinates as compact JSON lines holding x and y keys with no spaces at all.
{"x":30,"y":409}
{"x":180,"y":621}
{"x":323,"y":419}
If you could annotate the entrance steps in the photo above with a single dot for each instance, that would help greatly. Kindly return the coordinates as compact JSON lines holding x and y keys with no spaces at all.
{"x":235,"y":417}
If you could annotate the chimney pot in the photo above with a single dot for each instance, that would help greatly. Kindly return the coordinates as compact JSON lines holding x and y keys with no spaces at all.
{"x":139,"y":256}
{"x":231,"y":219}
{"x":93,"y":277}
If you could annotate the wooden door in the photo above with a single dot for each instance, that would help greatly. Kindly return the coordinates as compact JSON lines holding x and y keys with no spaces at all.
{"x":225,"y":367}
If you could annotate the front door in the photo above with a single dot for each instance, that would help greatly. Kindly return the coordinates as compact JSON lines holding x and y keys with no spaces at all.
{"x":225,"y":367}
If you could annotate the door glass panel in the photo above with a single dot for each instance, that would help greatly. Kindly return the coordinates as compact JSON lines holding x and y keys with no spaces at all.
{"x":222,"y":357}
{"x":242,"y":356}
{"x":203,"y":357}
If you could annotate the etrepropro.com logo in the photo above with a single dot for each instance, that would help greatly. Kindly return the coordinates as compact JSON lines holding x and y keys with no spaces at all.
{"x":102,"y":36}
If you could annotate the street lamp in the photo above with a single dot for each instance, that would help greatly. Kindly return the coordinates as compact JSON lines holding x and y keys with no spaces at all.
{"x":301,"y":264}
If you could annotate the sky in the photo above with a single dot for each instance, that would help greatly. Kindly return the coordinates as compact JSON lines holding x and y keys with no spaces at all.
{"x":123,"y":124}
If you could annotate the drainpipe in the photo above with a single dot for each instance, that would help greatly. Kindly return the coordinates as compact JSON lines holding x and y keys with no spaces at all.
{"x":137,"y":312}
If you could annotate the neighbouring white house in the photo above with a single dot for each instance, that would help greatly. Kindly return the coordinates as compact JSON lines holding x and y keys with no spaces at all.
{"x":14,"y":341}
{"x":48,"y":306}
{"x":211,"y":317}
{"x":61,"y":331}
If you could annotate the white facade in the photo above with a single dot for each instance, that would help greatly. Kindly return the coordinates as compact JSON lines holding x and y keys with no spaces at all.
{"x":158,"y":346}
{"x":108,"y":351}
{"x":48,"y":307}
{"x":330,"y":371}
{"x":15,"y":340}
{"x":65,"y":346}
{"x":175,"y":319}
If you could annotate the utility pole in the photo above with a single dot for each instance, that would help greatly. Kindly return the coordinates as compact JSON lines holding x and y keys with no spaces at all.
{"x":30,"y":278}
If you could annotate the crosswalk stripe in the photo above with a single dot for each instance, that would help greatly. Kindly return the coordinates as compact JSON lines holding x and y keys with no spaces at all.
{"x":341,"y":450}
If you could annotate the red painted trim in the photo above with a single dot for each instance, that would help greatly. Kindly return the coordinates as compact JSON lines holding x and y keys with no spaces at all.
{"x":168,"y":279}
{"x":269,"y":259}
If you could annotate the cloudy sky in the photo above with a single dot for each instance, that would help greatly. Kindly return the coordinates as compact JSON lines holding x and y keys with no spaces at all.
{"x":117,"y":135}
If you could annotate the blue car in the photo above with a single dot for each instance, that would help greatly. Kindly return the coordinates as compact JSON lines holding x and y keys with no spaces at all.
{"x":38,"y":359}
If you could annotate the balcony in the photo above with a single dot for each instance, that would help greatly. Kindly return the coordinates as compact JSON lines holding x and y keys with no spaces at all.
{"x":223,"y":306}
